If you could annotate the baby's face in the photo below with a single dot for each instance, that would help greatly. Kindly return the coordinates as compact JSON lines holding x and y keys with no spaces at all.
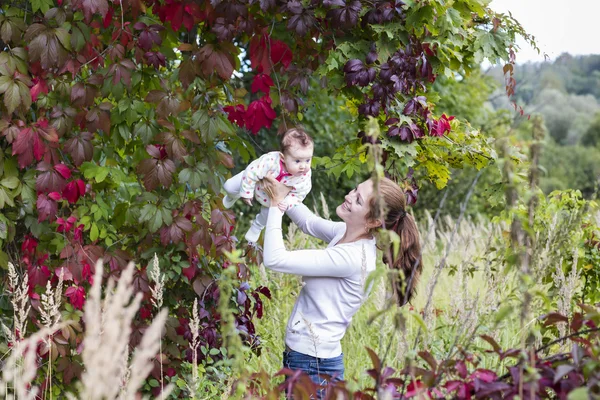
{"x":297,"y":159}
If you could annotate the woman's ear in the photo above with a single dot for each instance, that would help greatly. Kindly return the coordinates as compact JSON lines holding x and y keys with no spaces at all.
{"x":374,"y":223}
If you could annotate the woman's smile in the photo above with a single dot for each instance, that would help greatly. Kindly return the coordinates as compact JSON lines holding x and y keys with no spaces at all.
{"x":346,"y":206}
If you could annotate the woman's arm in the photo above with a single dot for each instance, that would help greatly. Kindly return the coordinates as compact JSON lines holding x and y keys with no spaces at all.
{"x":313,"y":225}
{"x":301,"y":215}
{"x":341,"y":261}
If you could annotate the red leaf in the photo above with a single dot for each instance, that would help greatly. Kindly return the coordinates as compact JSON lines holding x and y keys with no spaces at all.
{"x":554,"y":318}
{"x":28,"y":146}
{"x":63,"y":170}
{"x":49,"y":180}
{"x":236,"y":114}
{"x":76,"y":296}
{"x":461,"y":369}
{"x":220,"y":59}
{"x":260,"y":57}
{"x":74,"y":190}
{"x":46,"y":207}
{"x":38,"y":274}
{"x":259,"y":114}
{"x":40,"y":86}
{"x":414,"y":388}
{"x":54,"y":196}
{"x":261,"y":82}
{"x":80,"y":148}
{"x":189,"y":272}
{"x":280,"y":52}
{"x":484,"y":375}
{"x":90,"y":7}
{"x":175,"y":233}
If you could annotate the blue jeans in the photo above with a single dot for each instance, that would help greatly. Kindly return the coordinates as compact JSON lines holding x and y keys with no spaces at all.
{"x":320,"y":370}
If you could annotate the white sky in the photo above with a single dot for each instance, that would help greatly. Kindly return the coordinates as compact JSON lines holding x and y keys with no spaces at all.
{"x":558,"y":26}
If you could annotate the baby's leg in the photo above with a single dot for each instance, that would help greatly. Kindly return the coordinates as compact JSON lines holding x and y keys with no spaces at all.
{"x":257,"y":225}
{"x":232,"y":187}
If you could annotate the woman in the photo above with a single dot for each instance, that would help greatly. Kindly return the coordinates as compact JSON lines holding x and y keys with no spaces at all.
{"x":333,"y":278}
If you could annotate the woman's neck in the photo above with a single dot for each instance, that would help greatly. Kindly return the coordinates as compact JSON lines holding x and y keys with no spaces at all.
{"x":353,"y":235}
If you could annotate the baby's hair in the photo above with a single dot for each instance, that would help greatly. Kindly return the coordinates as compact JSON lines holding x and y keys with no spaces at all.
{"x":295,"y":135}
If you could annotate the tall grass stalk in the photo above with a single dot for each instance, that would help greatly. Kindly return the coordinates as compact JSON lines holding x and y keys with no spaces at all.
{"x":157,"y":301}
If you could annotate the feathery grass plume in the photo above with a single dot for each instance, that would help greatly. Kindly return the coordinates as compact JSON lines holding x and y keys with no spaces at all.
{"x":157,"y":301}
{"x":195,"y":329}
{"x":20,"y":368}
{"x":159,"y":284}
{"x":50,"y":315}
{"x":326,"y":214}
{"x":141,"y":364}
{"x":50,"y":304}
{"x":106,"y":343}
{"x":19,"y":301}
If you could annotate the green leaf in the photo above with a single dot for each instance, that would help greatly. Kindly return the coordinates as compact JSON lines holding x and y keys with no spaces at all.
{"x":94,"y":232}
{"x":12,"y":97}
{"x":101,"y":174}
{"x":406,"y":152}
{"x":3,"y":260}
{"x":148,"y":211}
{"x":11,"y":182}
{"x":64,"y":37}
{"x":436,"y":172}
{"x":580,"y":393}
{"x":41,"y":5}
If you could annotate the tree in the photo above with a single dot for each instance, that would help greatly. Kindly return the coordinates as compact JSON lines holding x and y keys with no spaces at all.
{"x":119,"y":119}
{"x":591,"y":137}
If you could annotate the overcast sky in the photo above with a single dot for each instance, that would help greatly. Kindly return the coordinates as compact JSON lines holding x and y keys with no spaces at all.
{"x":558,"y":26}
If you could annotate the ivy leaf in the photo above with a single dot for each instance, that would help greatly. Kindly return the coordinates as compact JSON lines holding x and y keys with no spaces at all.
{"x":262,"y":83}
{"x":221,"y":59}
{"x":175,"y":233}
{"x":80,"y":148}
{"x":90,"y":7}
{"x":74,"y":190}
{"x":28,"y":145}
{"x":50,"y":179}
{"x":174,"y":146}
{"x":46,"y":207}
{"x":259,"y":114}
{"x":46,"y":45}
{"x":158,"y":169}
{"x":261,"y":57}
{"x":41,"y":5}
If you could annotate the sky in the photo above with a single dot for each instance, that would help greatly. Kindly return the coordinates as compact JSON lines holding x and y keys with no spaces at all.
{"x":558,"y":26}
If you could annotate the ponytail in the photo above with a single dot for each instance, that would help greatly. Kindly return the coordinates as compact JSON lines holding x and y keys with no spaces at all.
{"x":408,"y":261}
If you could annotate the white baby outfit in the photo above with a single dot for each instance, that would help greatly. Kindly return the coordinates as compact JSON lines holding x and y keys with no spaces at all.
{"x":245,"y":184}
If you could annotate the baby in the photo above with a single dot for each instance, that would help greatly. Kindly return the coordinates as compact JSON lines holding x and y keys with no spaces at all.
{"x":290,"y":166}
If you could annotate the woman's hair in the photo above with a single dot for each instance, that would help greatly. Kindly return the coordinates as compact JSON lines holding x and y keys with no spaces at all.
{"x":295,"y":135}
{"x":408,"y":260}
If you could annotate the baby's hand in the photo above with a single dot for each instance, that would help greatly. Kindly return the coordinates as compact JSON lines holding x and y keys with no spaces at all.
{"x":282,"y":206}
{"x":247,"y":201}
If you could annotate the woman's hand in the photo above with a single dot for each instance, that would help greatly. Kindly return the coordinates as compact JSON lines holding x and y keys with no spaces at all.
{"x":274,"y":189}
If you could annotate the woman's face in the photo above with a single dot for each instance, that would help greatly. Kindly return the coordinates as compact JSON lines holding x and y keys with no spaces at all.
{"x":354,"y":210}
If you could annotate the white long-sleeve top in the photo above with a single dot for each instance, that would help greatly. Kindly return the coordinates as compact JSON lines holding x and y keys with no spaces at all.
{"x":334,"y":280}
